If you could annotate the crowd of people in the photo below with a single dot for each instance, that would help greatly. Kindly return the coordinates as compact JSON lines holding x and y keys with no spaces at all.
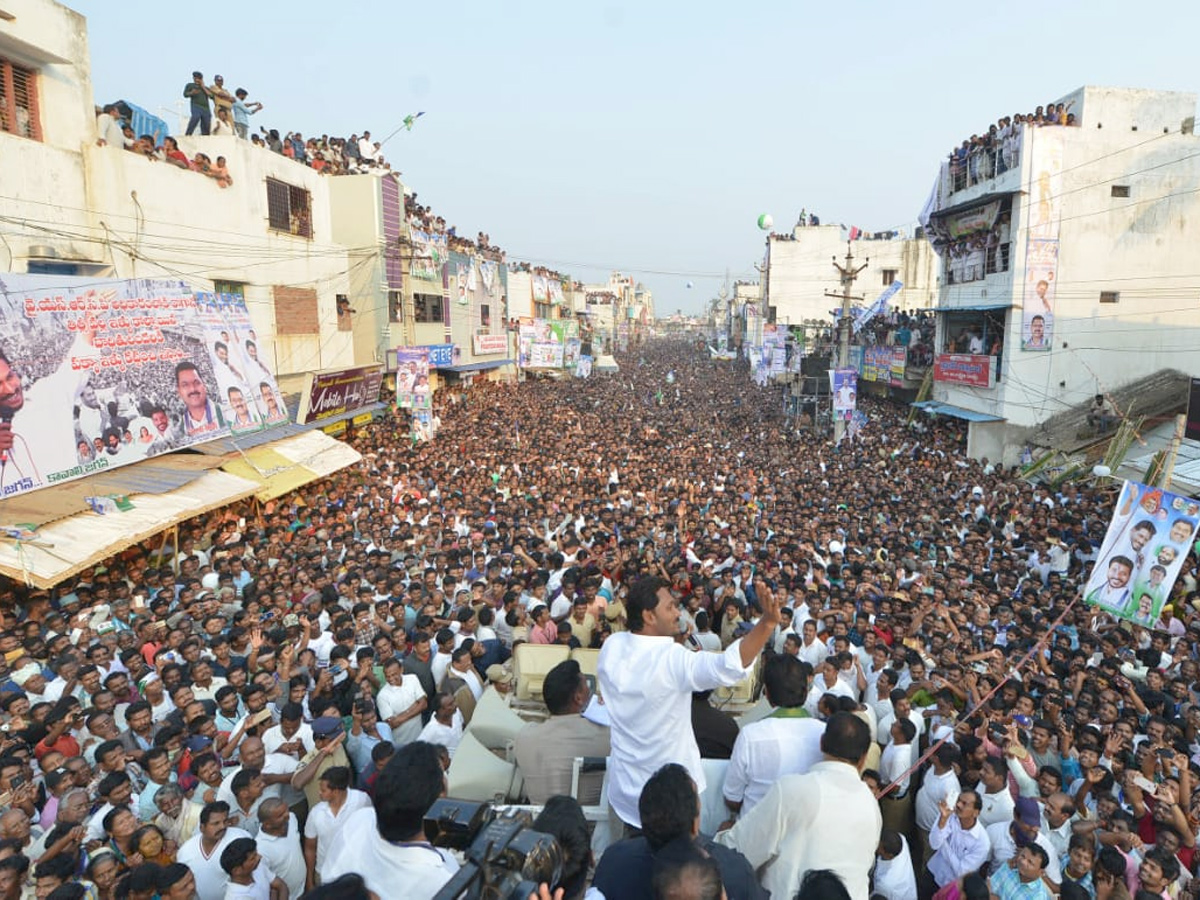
{"x":114,"y":131}
{"x":984,"y":156}
{"x":914,"y":330}
{"x":267,"y":708}
{"x":422,"y":219}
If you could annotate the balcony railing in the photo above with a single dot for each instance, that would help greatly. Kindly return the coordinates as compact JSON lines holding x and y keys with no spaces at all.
{"x":978,"y":265}
{"x":983,"y":164}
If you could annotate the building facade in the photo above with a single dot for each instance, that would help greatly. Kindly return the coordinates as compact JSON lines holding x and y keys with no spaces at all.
{"x":73,"y":207}
{"x":1066,"y":262}
{"x":799,"y":271}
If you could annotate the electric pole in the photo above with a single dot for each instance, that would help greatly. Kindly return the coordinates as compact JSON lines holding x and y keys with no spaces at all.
{"x":847,"y":273}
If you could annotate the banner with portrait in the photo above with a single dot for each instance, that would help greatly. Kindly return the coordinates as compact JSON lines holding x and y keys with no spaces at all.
{"x":541,"y":289}
{"x":571,"y":352}
{"x":554,"y":287}
{"x":1037,"y":300}
{"x":583,"y":368}
{"x":412,"y":378}
{"x":100,"y":373}
{"x":546,"y":355}
{"x":422,"y":264}
{"x":843,"y":384}
{"x":1147,"y":540}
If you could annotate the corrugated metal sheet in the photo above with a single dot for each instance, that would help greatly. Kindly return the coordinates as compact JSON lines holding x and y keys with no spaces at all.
{"x":225,"y":446}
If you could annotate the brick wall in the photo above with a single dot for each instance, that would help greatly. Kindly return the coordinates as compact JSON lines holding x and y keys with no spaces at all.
{"x":296,"y":310}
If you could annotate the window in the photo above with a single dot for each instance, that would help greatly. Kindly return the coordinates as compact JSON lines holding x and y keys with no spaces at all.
{"x":485,"y":315}
{"x":889,"y":275}
{"x":289,"y":209}
{"x":1110,"y":296}
{"x":395,"y":306}
{"x":345,"y":315}
{"x":1120,"y":190}
{"x":236,"y":288}
{"x":18,"y":101}
{"x":427,"y":308}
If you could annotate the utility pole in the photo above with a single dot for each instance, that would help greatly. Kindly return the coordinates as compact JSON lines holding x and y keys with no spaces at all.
{"x":847,"y":273}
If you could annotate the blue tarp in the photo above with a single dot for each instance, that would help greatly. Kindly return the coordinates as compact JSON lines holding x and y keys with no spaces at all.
{"x":957,"y":412}
{"x":143,"y":122}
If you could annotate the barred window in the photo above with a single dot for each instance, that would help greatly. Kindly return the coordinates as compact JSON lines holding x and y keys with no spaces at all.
{"x":289,"y":209}
{"x":18,"y":101}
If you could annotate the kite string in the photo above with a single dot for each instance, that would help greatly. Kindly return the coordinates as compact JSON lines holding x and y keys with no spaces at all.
{"x":1036,"y":648}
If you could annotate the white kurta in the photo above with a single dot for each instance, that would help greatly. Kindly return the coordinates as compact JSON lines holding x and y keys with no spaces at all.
{"x":789,"y":831}
{"x":647,"y":684}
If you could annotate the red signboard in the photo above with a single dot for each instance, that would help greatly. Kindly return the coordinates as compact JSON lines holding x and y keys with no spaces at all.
{"x":963,"y":368}
{"x":333,"y":393}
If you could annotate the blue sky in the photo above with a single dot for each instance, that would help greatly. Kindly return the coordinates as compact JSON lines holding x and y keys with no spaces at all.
{"x":647,"y":136}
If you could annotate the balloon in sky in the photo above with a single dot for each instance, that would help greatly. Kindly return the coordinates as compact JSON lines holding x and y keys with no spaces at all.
{"x":765,"y":221}
{"x":689,"y":284}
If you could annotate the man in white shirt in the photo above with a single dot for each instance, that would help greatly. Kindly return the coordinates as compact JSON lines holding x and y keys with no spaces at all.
{"x":787,"y":742}
{"x":940,"y":785}
{"x":647,"y":678}
{"x":959,"y":842}
{"x":827,"y":681}
{"x":446,"y":726}
{"x":202,"y":854}
{"x":788,"y":831}
{"x":996,"y":797}
{"x":386,"y":844}
{"x":401,"y":702}
{"x":812,"y":651}
{"x":894,"y":877}
{"x":249,"y":877}
{"x":279,"y":843}
{"x":338,"y":802}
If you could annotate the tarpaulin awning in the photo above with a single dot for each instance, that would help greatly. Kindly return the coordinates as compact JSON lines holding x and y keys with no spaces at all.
{"x":957,"y":412}
{"x":66,"y":547}
{"x":973,"y":307}
{"x":285,"y":465}
{"x":156,"y":475}
{"x":241,"y":443}
{"x":477,"y":366}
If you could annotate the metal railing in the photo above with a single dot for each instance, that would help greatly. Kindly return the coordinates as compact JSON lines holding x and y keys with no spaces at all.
{"x":994,"y":260}
{"x":983,"y":164}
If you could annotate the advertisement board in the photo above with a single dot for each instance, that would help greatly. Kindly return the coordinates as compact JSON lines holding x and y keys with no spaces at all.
{"x":963,"y":368}
{"x":333,"y":393}
{"x":100,"y":373}
{"x":487,"y":344}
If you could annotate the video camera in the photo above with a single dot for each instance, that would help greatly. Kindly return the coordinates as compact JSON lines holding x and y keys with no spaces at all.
{"x":505,"y":858}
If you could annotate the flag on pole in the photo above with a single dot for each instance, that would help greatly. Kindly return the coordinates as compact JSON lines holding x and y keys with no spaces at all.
{"x":410,"y":119}
{"x":862,"y":317}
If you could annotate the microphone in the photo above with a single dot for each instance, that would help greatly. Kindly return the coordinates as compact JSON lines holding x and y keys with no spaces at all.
{"x":6,"y":417}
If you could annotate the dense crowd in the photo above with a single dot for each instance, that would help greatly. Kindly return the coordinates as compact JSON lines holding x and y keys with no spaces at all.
{"x":268,"y":707}
{"x":984,"y":156}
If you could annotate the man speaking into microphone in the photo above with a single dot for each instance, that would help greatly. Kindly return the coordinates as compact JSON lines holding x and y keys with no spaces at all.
{"x":16,"y":462}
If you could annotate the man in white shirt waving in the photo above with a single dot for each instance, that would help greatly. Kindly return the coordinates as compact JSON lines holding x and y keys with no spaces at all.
{"x":647,"y":677}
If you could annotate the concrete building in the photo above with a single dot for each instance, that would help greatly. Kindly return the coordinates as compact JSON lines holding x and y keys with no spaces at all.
{"x":75,"y":208}
{"x":799,"y":271}
{"x":1067,"y":258}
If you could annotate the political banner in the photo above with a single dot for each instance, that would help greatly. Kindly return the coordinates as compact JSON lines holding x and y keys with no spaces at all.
{"x":843,"y":383}
{"x":488,"y":270}
{"x":1144,"y":548}
{"x":1037,"y":302}
{"x":545,"y":356}
{"x":862,"y":316}
{"x":541,"y":289}
{"x":583,"y":368}
{"x":571,"y":352}
{"x":100,"y":373}
{"x":554,"y":286}
{"x":248,"y":395}
{"x":333,"y":393}
{"x":963,"y":368}
{"x":423,"y":265}
{"x":412,"y":378}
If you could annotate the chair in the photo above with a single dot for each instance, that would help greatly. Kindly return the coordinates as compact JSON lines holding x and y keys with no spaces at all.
{"x":494,"y":723}
{"x":587,"y":658}
{"x":531,"y":663}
